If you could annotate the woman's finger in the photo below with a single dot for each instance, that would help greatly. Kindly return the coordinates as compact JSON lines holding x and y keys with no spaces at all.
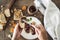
{"x":38,"y":33}
{"x":36,"y":28}
{"x":17,"y":31}
{"x":40,"y":27}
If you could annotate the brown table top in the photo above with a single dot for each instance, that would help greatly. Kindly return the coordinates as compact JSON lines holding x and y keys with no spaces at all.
{"x":19,"y":4}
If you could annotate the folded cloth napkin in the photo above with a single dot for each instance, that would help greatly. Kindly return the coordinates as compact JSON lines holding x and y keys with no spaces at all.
{"x":51,"y":16}
{"x":51,"y":19}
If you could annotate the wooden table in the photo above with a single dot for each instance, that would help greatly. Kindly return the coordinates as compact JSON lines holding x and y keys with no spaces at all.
{"x":19,"y":4}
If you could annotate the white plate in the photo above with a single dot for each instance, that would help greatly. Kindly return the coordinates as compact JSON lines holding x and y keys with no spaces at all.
{"x":29,"y":35}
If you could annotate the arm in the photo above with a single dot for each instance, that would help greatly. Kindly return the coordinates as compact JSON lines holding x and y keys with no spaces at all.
{"x":17,"y":32}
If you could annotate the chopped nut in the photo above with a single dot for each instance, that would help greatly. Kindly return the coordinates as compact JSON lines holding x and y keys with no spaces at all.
{"x":12,"y":30}
{"x":14,"y":25}
{"x":24,"y":8}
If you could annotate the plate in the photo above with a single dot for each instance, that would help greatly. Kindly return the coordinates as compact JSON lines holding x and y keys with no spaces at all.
{"x":29,"y":35}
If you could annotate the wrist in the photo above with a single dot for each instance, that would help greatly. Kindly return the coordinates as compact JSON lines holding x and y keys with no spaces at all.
{"x":43,"y":36}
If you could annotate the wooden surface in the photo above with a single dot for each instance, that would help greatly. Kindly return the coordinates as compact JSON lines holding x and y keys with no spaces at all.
{"x":19,"y":4}
{"x":57,"y":2}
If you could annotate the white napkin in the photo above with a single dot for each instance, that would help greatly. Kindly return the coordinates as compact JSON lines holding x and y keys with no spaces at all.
{"x":51,"y":16}
{"x":51,"y":19}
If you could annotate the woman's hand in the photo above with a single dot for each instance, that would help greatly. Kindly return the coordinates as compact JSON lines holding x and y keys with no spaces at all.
{"x":17,"y":32}
{"x":41,"y":32}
